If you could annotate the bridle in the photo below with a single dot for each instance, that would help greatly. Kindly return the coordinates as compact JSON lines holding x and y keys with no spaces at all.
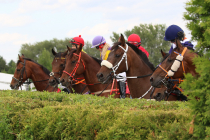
{"x":72,"y":74}
{"x":168,"y":80}
{"x":61,"y":71}
{"x":114,"y":68}
{"x":20,"y":80}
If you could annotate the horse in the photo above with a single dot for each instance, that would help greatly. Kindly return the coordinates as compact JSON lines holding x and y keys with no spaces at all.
{"x":77,"y":63}
{"x":173,"y":67}
{"x":125,"y":57}
{"x":27,"y":68}
{"x":58,"y":65}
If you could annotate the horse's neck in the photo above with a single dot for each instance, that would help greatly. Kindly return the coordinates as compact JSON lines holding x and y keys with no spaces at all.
{"x":138,"y":86}
{"x":92,"y":67}
{"x":37,"y":74}
{"x":190,"y":67}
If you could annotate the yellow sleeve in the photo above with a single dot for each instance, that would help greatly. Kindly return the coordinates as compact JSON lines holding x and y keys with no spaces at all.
{"x":107,"y":54}
{"x":83,"y":51}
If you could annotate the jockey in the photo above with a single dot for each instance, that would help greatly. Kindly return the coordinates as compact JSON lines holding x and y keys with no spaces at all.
{"x":136,"y":40}
{"x":100,"y":44}
{"x":76,"y":42}
{"x":175,"y":32}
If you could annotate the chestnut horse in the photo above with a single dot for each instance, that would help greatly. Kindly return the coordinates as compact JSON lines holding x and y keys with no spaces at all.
{"x":174,"y":66}
{"x":77,"y":63}
{"x":134,"y":62}
{"x":27,"y":68}
{"x":58,"y":66}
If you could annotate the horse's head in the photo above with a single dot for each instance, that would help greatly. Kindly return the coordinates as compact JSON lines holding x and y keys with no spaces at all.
{"x":116,"y":62}
{"x":74,"y":66}
{"x":174,"y":65}
{"x":58,"y":66}
{"x":21,"y":73}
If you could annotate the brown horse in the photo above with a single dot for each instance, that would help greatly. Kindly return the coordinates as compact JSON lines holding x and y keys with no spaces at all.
{"x":27,"y":68}
{"x":174,"y":66}
{"x":58,"y":66}
{"x":134,"y":62}
{"x":77,"y":63}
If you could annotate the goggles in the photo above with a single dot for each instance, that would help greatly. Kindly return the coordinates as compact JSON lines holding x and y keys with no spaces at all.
{"x":100,"y":46}
{"x":135,"y":43}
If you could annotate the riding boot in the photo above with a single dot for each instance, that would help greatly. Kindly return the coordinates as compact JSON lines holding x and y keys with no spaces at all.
{"x":66,"y":90}
{"x":122,"y":88}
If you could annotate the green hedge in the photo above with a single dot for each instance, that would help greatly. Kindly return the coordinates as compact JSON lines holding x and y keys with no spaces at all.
{"x":53,"y":116}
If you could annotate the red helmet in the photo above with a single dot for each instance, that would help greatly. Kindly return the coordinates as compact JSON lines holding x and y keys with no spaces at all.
{"x":134,"y":38}
{"x":78,"y":40}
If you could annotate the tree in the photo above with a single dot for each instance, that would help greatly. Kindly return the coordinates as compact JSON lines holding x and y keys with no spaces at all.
{"x":198,"y":88}
{"x":45,"y":59}
{"x":11,"y":67}
{"x":198,"y":19}
{"x":151,"y":39}
{"x":3,"y":66}
{"x":33,"y":51}
{"x":91,"y":51}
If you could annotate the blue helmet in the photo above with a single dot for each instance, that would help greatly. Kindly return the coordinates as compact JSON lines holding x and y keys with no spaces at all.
{"x":98,"y":40}
{"x":173,"y":32}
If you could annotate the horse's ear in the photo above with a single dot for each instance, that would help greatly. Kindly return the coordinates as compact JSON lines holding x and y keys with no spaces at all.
{"x":66,"y":52}
{"x":23,"y":55}
{"x":178,"y":44}
{"x":79,"y":49}
{"x":53,"y":52}
{"x":20,"y":58}
{"x":122,"y":40}
{"x":163,"y":53}
{"x":68,"y":48}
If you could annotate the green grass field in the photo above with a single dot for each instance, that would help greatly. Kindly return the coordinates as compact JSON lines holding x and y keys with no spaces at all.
{"x":52,"y":116}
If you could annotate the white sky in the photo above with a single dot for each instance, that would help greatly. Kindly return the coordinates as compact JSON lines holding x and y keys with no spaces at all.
{"x":30,"y":21}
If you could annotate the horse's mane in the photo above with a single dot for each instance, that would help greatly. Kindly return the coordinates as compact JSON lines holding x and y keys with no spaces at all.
{"x":43,"y":68}
{"x":58,"y":54}
{"x":139,"y":52}
{"x":97,"y":60}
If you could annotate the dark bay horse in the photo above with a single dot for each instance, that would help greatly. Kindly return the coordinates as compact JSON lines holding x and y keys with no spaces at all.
{"x":58,"y":66}
{"x":134,"y":62}
{"x":77,"y":63}
{"x":174,"y":66}
{"x":27,"y":68}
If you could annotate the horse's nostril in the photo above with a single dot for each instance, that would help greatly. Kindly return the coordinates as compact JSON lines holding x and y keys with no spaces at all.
{"x":151,"y":79}
{"x":100,"y":75}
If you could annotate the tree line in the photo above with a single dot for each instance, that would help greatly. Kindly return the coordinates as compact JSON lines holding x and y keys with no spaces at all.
{"x":151,"y":38}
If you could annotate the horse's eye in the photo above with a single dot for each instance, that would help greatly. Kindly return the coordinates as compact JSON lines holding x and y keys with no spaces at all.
{"x":61,"y":65}
{"x":169,"y":59}
{"x":117,"y":55}
{"x":18,"y":70}
{"x":73,"y":61}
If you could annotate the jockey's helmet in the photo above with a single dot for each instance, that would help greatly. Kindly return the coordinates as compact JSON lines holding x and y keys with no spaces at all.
{"x":98,"y":41}
{"x":174,"y":32}
{"x":78,"y":41}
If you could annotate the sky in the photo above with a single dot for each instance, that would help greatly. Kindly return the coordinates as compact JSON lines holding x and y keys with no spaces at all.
{"x":31,"y":21}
